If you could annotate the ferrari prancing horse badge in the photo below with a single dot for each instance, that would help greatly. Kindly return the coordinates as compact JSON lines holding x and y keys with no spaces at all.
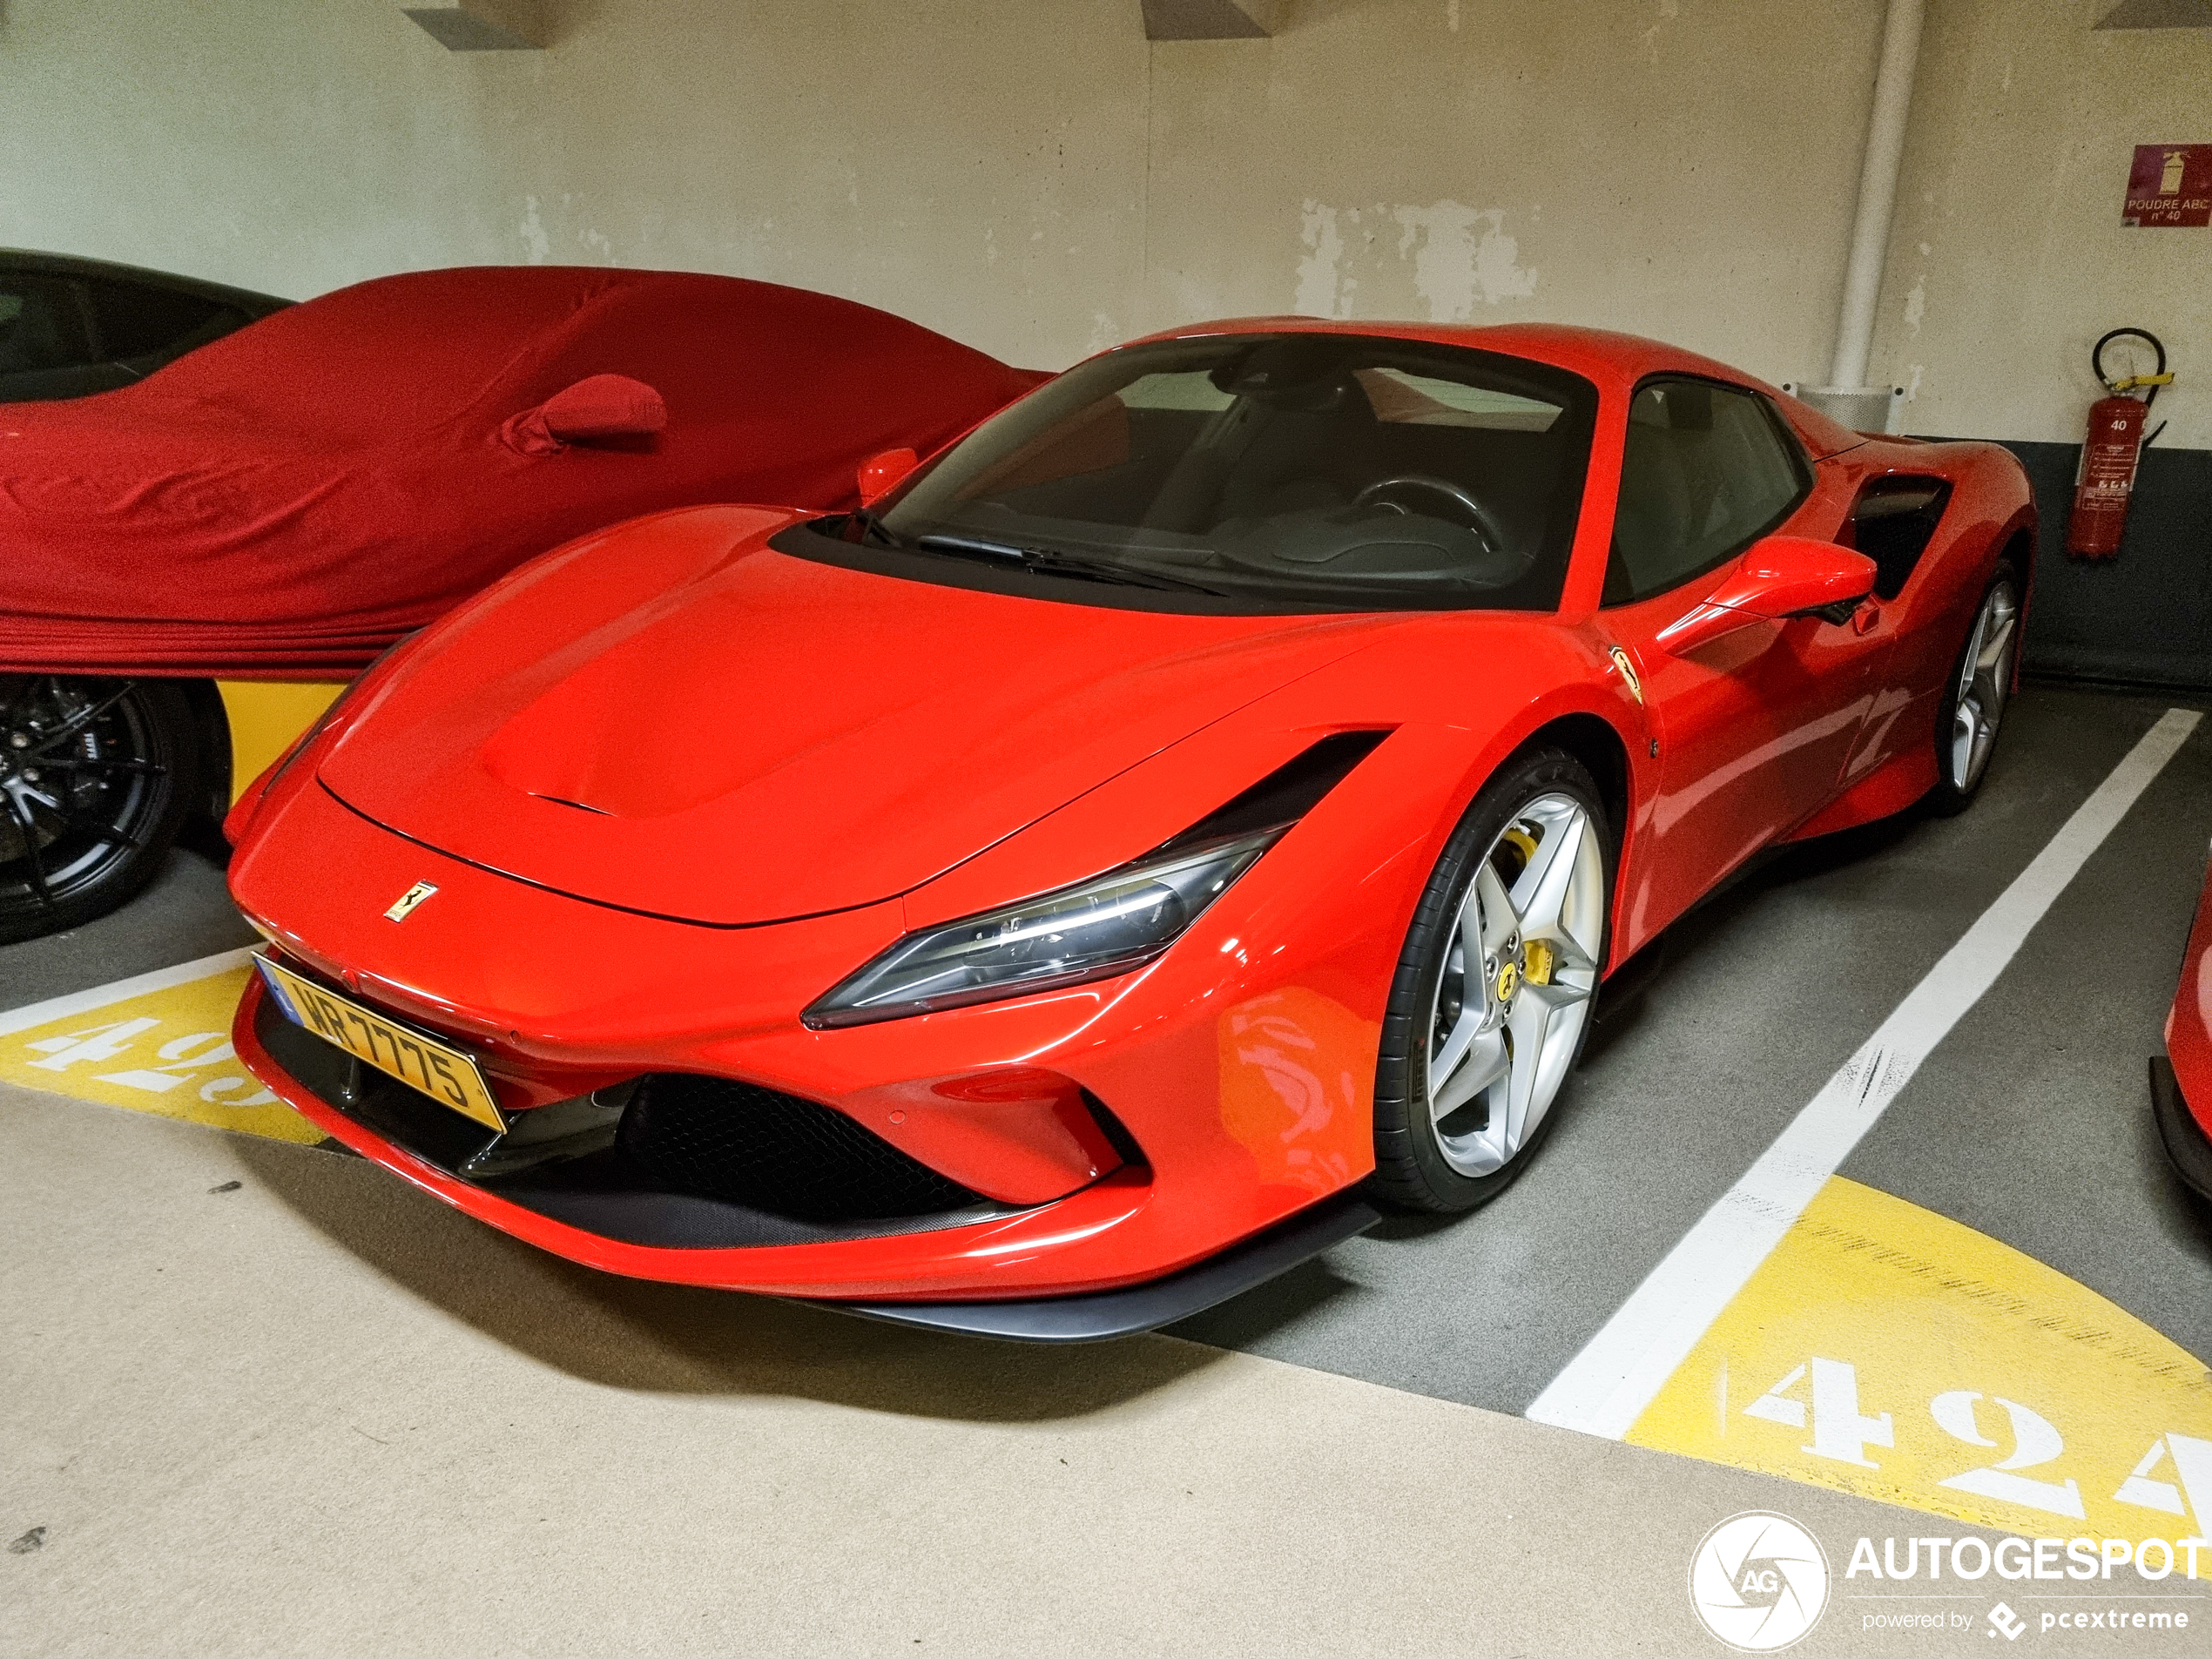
{"x":1628,"y":674}
{"x":403,"y":906}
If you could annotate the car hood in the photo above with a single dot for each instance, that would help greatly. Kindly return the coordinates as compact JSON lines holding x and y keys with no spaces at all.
{"x":675,"y":719}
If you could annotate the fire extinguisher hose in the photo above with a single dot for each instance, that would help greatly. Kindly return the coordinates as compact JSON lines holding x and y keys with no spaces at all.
{"x":2130,"y":382}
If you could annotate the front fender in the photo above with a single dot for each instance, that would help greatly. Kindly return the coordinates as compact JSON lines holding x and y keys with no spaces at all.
{"x":1458,"y":695}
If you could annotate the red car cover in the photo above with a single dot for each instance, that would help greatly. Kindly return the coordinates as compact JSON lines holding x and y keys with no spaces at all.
{"x":289,"y":499}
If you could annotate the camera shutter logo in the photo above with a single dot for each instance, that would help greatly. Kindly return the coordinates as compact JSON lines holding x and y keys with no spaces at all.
{"x":1759,"y":1581}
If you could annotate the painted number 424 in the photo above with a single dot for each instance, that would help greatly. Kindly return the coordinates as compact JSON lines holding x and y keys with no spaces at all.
{"x":1841,"y":1433}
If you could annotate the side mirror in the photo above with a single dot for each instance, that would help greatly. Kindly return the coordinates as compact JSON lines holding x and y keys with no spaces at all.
{"x":595,"y":409}
{"x":879,"y":475}
{"x":1781,"y":576}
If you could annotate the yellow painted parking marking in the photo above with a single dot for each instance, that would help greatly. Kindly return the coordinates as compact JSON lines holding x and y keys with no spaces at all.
{"x":1620,"y":1370}
{"x":166,"y":1050}
{"x":1884,"y":1350}
{"x":265,"y":717}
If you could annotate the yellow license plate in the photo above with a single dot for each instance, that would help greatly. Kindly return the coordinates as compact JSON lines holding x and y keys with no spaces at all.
{"x":445,"y":1075}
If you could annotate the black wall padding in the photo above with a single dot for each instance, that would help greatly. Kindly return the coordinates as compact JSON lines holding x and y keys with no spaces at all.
{"x":2145,"y":617}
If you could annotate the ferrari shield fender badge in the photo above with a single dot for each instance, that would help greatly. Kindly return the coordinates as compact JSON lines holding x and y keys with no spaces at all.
{"x":403,"y":906}
{"x":1628,"y":674}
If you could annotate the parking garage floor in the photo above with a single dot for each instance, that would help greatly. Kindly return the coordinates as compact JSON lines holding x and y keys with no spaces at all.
{"x":262,"y":1398}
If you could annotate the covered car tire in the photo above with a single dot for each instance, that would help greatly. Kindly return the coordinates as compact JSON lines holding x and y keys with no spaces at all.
{"x":1975,"y":696}
{"x":95,"y":777}
{"x":1495,"y":989}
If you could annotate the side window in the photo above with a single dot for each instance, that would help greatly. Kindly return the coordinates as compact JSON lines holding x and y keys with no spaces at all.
{"x":135,"y":321}
{"x":38,"y":326}
{"x":1707,"y":471}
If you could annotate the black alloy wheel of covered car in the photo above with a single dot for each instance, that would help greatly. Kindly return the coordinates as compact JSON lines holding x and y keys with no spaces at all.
{"x":96,"y":777}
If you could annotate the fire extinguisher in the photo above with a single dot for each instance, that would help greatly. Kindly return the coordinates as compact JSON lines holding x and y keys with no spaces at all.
{"x":2111,"y":450}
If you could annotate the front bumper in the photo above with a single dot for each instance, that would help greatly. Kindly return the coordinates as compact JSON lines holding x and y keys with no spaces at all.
{"x":628,"y":1226}
{"x":599,"y":1210}
{"x":1242,"y":1073}
{"x":2187,"y":1146}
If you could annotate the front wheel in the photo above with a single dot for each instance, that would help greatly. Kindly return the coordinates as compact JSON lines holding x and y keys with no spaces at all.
{"x":96,"y":777}
{"x":1974,"y":700}
{"x":1494,"y":988}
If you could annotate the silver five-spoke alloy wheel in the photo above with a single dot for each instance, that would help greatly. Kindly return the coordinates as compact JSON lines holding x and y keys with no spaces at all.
{"x":1984,"y":681}
{"x":1508,"y":1009}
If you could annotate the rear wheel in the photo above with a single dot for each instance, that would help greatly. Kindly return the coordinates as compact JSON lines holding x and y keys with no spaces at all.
{"x":1973,"y":704}
{"x":96,"y":777}
{"x":1494,"y":988}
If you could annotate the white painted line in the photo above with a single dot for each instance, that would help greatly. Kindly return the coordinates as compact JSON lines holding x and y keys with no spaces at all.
{"x":1605,"y":1388}
{"x":61,"y":1008}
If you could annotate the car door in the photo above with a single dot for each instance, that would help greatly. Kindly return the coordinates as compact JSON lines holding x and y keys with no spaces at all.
{"x":1753,"y":728}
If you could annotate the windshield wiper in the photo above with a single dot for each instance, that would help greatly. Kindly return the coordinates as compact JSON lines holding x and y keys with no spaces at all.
{"x":962,"y":547}
{"x":1057,"y":564}
{"x":1050,"y":562}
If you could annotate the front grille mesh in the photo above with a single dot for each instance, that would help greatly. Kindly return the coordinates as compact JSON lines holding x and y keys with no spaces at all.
{"x":756,"y":1146}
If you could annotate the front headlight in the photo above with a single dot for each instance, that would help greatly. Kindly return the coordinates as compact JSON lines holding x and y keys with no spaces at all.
{"x":1117,"y":922}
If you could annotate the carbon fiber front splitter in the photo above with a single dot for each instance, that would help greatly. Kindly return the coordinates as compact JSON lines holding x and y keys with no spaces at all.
{"x":1137,"y":1308}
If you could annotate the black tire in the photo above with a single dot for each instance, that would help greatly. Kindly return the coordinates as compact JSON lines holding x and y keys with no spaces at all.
{"x":1952,"y":794}
{"x":1411,"y":1168}
{"x":97,"y":776}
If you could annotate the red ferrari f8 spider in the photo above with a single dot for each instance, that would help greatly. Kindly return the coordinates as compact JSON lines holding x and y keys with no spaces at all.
{"x":1201,"y":803}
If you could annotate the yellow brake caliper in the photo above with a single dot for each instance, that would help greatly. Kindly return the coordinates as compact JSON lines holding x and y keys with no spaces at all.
{"x":1536,"y":957}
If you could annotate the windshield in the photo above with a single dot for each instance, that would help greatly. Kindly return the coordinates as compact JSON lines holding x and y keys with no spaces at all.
{"x":1335,"y":471}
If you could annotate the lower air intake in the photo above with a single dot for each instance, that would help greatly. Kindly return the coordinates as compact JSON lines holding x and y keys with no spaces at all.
{"x":756,"y":1146}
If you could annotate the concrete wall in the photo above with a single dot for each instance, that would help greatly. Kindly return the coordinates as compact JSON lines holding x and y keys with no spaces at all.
{"x":1641,"y":166}
{"x":960,"y":163}
{"x":1037,"y":179}
{"x":2007,"y":257}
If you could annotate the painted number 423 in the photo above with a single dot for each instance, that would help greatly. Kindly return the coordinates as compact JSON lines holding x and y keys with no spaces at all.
{"x":180,"y":1061}
{"x":1841,"y":1433}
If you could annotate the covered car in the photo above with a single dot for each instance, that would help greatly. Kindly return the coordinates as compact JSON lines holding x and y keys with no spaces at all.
{"x":283,"y":504}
